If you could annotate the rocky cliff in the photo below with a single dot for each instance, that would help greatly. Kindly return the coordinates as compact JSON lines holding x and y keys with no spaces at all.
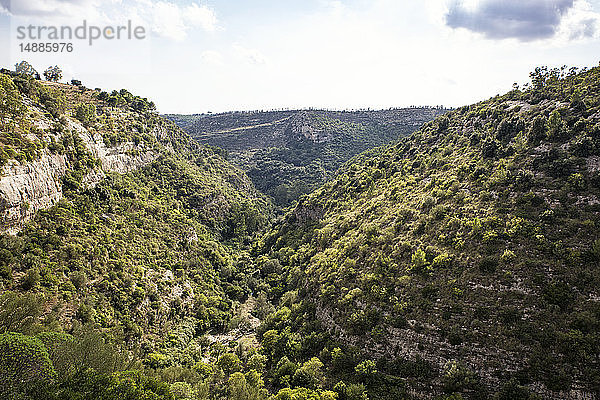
{"x":54,"y":118}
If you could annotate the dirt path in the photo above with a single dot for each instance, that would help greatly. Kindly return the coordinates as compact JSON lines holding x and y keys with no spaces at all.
{"x":243,"y":128}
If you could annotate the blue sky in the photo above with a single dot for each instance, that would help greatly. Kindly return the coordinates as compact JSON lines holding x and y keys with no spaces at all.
{"x":223,"y":55}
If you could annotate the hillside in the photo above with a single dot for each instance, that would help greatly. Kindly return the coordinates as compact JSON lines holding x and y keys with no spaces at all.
{"x":290,"y":153}
{"x":461,"y":260}
{"x":120,"y":232}
{"x":458,"y":262}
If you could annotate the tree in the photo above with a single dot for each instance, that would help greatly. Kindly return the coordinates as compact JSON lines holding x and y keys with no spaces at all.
{"x":53,"y":74}
{"x":240,"y":387}
{"x":86,"y":113}
{"x":538,"y":128}
{"x":556,"y":126}
{"x":11,"y":105}
{"x":25,"y":68}
{"x":310,"y":374}
{"x":229,"y":363}
{"x":419,"y":262}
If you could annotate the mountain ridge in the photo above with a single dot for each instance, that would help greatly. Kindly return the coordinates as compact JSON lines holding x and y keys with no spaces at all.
{"x":291,"y":152}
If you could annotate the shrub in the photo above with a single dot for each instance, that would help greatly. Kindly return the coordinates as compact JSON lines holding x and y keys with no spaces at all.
{"x":85,"y":113}
{"x":458,"y":378}
{"x":488,"y":264}
{"x":53,"y":74}
{"x":23,"y":359}
{"x":229,"y":363}
{"x":310,"y":374}
{"x":419,"y":263}
{"x":556,"y":126}
{"x":537,"y":131}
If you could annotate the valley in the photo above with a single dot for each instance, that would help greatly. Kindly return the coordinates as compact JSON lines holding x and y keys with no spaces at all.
{"x":290,"y":153}
{"x":417,"y":253}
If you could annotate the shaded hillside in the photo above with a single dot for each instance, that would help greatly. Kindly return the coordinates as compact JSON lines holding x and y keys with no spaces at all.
{"x":290,"y":153}
{"x":463,"y":259}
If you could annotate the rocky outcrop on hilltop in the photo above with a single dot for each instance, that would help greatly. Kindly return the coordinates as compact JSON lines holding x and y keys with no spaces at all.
{"x":114,"y":140}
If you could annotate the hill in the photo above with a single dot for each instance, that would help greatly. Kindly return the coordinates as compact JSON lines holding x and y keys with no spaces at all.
{"x":290,"y":153}
{"x":120,"y":234}
{"x":461,"y":260}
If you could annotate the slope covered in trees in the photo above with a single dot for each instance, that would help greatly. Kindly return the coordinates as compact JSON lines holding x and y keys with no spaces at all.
{"x":290,"y":153}
{"x":461,"y":260}
{"x":458,"y":262}
{"x":123,"y":264}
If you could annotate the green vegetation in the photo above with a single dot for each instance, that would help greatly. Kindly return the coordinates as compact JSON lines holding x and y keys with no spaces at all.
{"x":290,"y":153}
{"x":474,"y":238}
{"x":460,"y":262}
{"x":53,"y":73}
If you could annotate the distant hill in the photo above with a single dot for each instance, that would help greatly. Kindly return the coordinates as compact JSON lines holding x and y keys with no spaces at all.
{"x":290,"y":153}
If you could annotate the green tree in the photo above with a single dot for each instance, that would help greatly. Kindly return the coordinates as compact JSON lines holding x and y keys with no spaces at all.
{"x":310,"y":374}
{"x":229,"y":363}
{"x":53,"y":74}
{"x":556,"y":126}
{"x":85,"y":113}
{"x":23,"y":360}
{"x":419,"y":262}
{"x":25,"y":68}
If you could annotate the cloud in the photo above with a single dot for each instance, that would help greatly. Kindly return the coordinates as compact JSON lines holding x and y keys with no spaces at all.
{"x":581,"y":22}
{"x":212,"y":57}
{"x":48,"y":8}
{"x":174,"y":21}
{"x":166,"y":18}
{"x":501,"y":19}
{"x":201,"y":16}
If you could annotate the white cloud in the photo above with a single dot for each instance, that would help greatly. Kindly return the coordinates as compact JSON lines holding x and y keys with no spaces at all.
{"x":212,"y":57}
{"x":165,"y":18}
{"x":175,"y":22}
{"x":201,"y":16}
{"x":51,"y":9}
{"x":581,"y":22}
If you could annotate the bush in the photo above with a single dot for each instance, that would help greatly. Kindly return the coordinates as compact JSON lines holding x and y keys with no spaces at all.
{"x":53,"y":74}
{"x":419,"y":263}
{"x":458,"y":378}
{"x":229,"y":363}
{"x":23,"y":360}
{"x":31,"y":279}
{"x":310,"y":374}
{"x":556,"y":127}
{"x":85,"y":113}
{"x":53,"y":100}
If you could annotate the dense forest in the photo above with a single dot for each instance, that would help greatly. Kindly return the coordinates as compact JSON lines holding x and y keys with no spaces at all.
{"x":458,"y":262}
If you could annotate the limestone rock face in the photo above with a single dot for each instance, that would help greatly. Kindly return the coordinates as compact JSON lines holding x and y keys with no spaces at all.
{"x":24,"y":189}
{"x":27,"y":188}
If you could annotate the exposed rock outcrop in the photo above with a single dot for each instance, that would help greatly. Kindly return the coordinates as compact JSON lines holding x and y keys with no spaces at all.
{"x":27,"y":188}
{"x":24,"y":189}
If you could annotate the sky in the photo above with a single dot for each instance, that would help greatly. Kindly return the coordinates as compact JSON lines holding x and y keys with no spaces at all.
{"x":200,"y":56}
